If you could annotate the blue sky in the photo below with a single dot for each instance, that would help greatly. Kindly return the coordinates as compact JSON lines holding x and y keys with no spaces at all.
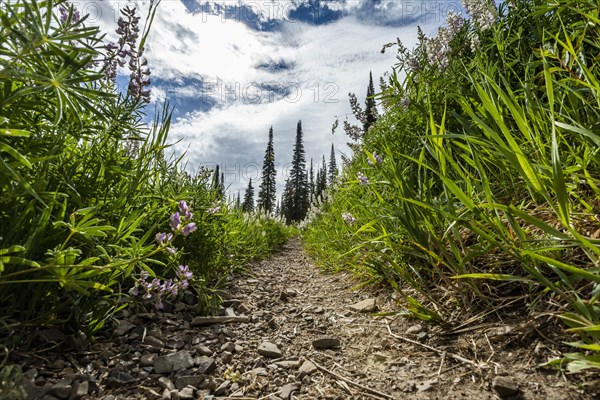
{"x":232,"y":69}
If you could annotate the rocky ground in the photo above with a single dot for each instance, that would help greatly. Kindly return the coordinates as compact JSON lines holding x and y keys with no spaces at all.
{"x":289,"y":331}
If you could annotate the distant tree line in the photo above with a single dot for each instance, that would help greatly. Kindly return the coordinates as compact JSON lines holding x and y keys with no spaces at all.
{"x":303,"y":184}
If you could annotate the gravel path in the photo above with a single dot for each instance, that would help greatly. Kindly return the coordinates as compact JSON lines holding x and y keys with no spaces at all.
{"x":289,"y":331}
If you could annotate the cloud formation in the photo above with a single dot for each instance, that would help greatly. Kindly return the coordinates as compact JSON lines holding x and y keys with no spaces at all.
{"x":232,"y":69}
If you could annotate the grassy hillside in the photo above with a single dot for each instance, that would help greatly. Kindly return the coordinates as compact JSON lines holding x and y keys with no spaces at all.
{"x":478,"y":187}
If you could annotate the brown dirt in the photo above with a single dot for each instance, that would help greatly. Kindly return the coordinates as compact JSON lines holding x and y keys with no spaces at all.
{"x":290,"y":303}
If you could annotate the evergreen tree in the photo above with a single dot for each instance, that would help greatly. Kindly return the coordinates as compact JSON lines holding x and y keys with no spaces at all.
{"x":285,"y":199}
{"x":266,"y":194}
{"x":238,"y":203}
{"x":370,"y":108}
{"x":332,"y":166}
{"x":218,"y":182}
{"x":322,"y":179}
{"x":311,"y":183}
{"x":297,"y":201}
{"x":215,"y":178}
{"x":222,"y":185}
{"x":318,"y":184}
{"x":248,"y":205}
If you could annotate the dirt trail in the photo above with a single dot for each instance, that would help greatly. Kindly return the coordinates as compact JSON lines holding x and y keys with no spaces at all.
{"x":289,"y":331}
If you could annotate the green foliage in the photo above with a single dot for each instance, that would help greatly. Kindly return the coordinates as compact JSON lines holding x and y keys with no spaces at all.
{"x":248,"y":204}
{"x":295,"y":199}
{"x":370,"y":106}
{"x":333,"y":170}
{"x":266,"y":194}
{"x":484,"y":166}
{"x":321,"y":181}
{"x":85,"y":185}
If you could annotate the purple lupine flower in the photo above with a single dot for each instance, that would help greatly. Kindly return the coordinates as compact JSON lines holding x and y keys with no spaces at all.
{"x":64,"y":13}
{"x":348,"y":218}
{"x":169,"y":288}
{"x":134,"y":291}
{"x":189,"y":228}
{"x":183,"y":207}
{"x":184,"y":272}
{"x":183,"y":284}
{"x":171,"y":250}
{"x":175,"y":221}
{"x":377,"y":157}
{"x":155,"y":284}
{"x":162,"y":238}
{"x":362,"y":178}
{"x":144,"y":275}
{"x":159,"y":304}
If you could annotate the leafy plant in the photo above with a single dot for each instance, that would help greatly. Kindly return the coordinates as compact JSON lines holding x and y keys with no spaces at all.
{"x":487,"y":170}
{"x":85,"y":186}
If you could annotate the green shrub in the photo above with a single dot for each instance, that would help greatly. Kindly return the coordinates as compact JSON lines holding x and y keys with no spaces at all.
{"x":85,"y":187}
{"x":490,"y":171}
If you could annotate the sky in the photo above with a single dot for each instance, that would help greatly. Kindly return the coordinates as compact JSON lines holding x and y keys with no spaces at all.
{"x":232,"y":69}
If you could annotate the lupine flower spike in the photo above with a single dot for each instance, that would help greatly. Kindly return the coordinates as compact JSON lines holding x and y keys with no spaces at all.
{"x":180,"y":222}
{"x":348,"y":218}
{"x":362,"y":178}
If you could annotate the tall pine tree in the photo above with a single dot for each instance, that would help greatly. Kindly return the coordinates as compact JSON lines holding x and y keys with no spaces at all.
{"x":332,"y":166}
{"x":321,"y":179}
{"x":370,"y":108}
{"x":248,"y":205}
{"x":311,"y":180}
{"x":218,"y":182}
{"x":296,"y":191}
{"x":215,"y":178}
{"x":266,"y":193}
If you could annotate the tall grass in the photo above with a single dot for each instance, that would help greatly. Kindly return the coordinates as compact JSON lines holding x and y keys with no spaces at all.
{"x":494,"y":179}
{"x":85,"y":185}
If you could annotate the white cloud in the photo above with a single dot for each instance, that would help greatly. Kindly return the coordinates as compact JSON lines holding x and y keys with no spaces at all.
{"x":324,"y":63}
{"x":329,"y":61}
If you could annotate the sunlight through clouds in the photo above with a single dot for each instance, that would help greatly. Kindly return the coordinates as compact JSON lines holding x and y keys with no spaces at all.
{"x":231,"y":69}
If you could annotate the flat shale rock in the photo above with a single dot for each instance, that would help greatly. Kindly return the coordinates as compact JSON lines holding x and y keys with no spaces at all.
{"x":80,"y":390}
{"x":269,"y":350}
{"x":154,"y":342}
{"x":205,"y":364}
{"x":288,"y":364}
{"x":123,"y":327}
{"x":326,"y":343}
{"x":61,"y":390}
{"x":505,"y":387}
{"x":367,"y":305}
{"x":186,"y":393}
{"x":173,"y":362}
{"x":166,"y":383}
{"x":189,"y":380}
{"x":307,"y":368}
{"x":287,"y":390}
